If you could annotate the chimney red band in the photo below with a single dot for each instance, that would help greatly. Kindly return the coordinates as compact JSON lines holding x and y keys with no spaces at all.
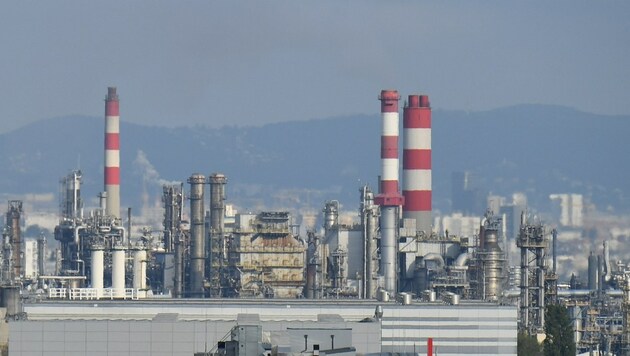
{"x":112,"y":141}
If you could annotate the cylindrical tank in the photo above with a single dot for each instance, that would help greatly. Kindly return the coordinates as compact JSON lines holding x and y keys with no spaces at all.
{"x":405,"y":298}
{"x":492,"y":262}
{"x":389,"y":235}
{"x":382,"y":295}
{"x":10,"y":297}
{"x":197,"y":235}
{"x":179,"y":268}
{"x":118,"y":272}
{"x":140,"y":269}
{"x":96,"y":270}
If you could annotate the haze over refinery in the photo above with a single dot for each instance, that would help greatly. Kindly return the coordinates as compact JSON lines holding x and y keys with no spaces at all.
{"x":325,"y":178}
{"x":250,"y":63}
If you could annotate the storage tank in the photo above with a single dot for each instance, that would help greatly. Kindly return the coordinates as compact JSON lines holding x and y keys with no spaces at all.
{"x":140,"y":269}
{"x":118,"y":271}
{"x":382,"y":295}
{"x":96,"y":269}
{"x":405,"y":298}
{"x":10,"y":299}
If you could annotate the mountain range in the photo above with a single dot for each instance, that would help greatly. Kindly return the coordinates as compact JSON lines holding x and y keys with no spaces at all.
{"x":535,"y":149}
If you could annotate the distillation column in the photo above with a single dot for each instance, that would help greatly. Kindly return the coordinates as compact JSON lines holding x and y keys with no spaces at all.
{"x":41,"y":256}
{"x":112,"y":153}
{"x":218,"y":247}
{"x":492,"y":259}
{"x":70,"y":223}
{"x":533,"y":244}
{"x":313,"y":267}
{"x":13,"y":216}
{"x":179,"y":265}
{"x":72,"y":204}
{"x":369,"y":222}
{"x":389,"y":198}
{"x":417,"y":162}
{"x":197,"y":233}
{"x":172,"y":197}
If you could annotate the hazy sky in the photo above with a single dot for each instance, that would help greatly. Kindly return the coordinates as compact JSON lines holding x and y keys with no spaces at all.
{"x":254,"y":62}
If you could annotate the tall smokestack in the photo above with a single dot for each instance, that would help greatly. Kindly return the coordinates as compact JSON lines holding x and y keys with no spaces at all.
{"x":112,"y":153}
{"x":417,"y":162}
{"x":389,"y":198}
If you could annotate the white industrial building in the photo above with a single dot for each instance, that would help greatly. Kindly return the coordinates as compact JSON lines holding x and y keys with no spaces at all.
{"x":167,"y":327}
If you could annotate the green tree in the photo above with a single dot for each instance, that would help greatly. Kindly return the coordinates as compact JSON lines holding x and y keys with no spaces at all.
{"x":559,"y":339}
{"x":527,"y":345}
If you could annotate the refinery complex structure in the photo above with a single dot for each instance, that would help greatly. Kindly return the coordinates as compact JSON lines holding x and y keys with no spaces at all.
{"x":216,"y":282}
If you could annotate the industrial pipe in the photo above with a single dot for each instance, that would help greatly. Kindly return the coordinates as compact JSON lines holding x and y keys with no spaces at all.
{"x":434,"y":257}
{"x":462,"y":260}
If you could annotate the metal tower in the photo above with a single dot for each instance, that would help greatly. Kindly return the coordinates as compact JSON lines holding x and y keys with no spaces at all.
{"x":533,"y":243}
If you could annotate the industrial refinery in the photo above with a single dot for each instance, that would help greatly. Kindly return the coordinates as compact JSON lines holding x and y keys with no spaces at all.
{"x":213,"y":280}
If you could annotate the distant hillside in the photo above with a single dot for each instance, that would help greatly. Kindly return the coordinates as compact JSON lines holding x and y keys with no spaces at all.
{"x":532,"y":148}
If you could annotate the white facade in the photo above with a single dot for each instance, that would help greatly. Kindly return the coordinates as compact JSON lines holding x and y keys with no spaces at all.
{"x":30,"y":259}
{"x":181,"y":328}
{"x":495,"y":202}
{"x":571,"y":209}
{"x":459,"y":225}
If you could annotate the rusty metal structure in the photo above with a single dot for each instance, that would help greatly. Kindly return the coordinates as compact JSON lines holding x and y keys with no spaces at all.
{"x":265,"y":257}
{"x":13,"y":218}
{"x":11,"y":270}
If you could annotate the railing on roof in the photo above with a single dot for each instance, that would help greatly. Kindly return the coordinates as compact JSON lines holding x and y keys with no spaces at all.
{"x":93,"y":293}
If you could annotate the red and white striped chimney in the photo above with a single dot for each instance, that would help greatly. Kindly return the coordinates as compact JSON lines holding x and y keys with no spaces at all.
{"x":112,"y":153}
{"x":389,"y":197}
{"x":417,"y":161}
{"x":389,"y":193}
